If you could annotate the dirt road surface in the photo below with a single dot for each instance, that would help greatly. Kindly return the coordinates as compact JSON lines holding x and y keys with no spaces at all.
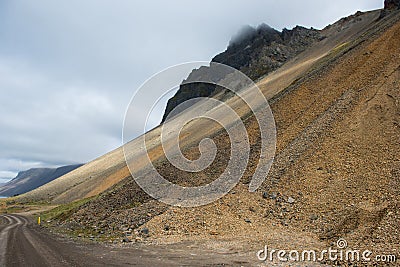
{"x":23,"y":243}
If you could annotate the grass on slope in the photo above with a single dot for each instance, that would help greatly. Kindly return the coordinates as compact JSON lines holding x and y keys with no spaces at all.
{"x":10,"y":205}
{"x":64,"y":211}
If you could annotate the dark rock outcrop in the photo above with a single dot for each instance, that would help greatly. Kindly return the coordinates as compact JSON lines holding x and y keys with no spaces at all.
{"x":191,"y":88}
{"x":392,"y":4}
{"x":28,"y":180}
{"x":265,"y":49}
{"x":254,"y":51}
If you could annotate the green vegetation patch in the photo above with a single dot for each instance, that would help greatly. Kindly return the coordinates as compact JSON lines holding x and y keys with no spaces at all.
{"x":64,"y":211}
{"x":10,"y":205}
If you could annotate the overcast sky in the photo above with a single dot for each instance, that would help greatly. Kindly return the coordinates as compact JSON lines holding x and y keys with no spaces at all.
{"x":69,"y":68}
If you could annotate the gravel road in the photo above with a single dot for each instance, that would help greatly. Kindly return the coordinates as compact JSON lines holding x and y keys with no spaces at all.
{"x":23,"y":243}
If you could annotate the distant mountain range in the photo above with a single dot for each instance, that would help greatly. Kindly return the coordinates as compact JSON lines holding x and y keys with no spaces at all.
{"x":28,"y":180}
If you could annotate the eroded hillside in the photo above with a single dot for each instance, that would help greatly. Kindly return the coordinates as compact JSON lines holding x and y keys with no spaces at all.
{"x":336,"y":171}
{"x":337,"y":167}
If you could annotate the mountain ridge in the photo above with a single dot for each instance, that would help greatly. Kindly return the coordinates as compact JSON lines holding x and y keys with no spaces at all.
{"x":110,"y":169}
{"x":33,"y":178}
{"x":254,"y":51}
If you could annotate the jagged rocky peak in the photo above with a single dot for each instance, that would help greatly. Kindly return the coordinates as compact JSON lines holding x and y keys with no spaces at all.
{"x":263,"y":49}
{"x":392,"y":4}
{"x":255,"y":51}
{"x":258,"y":51}
{"x":247,"y":34}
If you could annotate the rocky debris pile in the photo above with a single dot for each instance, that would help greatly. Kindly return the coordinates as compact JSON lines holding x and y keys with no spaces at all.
{"x":115,"y":214}
{"x":254,"y":51}
{"x":244,"y":214}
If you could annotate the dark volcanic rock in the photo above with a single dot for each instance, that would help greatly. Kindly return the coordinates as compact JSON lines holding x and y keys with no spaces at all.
{"x":192,"y":88}
{"x":254,"y":51}
{"x":392,"y":4}
{"x":145,"y":231}
{"x":266,"y":49}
